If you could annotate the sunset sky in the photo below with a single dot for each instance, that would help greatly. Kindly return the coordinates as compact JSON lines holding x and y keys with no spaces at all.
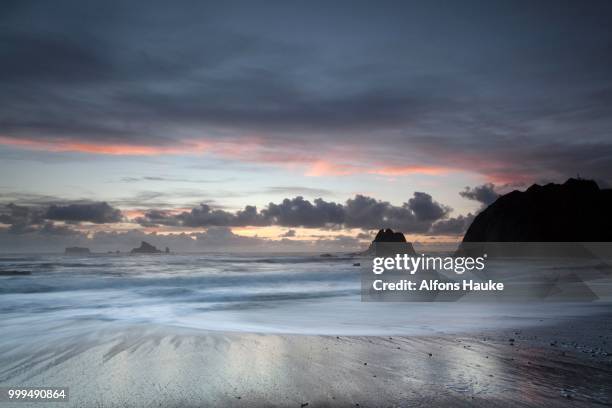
{"x":212,"y":119}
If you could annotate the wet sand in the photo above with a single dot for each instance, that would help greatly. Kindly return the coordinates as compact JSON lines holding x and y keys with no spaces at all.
{"x":568,"y":364}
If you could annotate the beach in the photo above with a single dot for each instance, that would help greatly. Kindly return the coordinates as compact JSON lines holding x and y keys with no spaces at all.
{"x":566,"y":364}
{"x":285,"y":331}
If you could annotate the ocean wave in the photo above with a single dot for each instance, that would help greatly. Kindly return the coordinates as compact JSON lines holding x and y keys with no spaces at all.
{"x":293,"y":294}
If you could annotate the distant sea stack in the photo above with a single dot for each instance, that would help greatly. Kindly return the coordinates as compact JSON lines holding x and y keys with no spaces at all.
{"x":575,"y":211}
{"x":387,"y":242}
{"x":77,"y":251}
{"x":146,"y":248}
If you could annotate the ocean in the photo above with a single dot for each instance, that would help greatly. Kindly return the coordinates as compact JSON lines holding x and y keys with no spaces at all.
{"x":55,"y":296}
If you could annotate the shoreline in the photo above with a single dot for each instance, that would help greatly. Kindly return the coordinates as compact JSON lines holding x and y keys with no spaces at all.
{"x":566,"y":364}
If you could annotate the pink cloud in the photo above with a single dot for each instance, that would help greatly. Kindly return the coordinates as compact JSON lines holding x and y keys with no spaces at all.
{"x":294,"y":156}
{"x":66,"y":145}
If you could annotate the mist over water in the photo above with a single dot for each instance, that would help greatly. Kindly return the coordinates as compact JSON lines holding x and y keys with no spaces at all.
{"x":51,"y":297}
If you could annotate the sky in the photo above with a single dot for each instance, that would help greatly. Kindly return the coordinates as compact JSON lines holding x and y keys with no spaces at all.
{"x":290,"y":124}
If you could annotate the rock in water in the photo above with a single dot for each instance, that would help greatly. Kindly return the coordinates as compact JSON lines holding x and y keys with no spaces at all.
{"x":387,"y":235}
{"x":77,"y":251}
{"x":145,"y":248}
{"x":388,"y":243}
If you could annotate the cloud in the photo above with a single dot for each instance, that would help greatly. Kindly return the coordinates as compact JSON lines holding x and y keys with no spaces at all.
{"x":204,"y":216}
{"x":414,"y":216}
{"x":419,"y":214}
{"x":456,"y":226}
{"x":368,"y":236}
{"x":98,"y":213}
{"x":153,"y":218}
{"x":28,"y":230}
{"x":37,"y":218}
{"x":21,"y":219}
{"x":484,"y":194}
{"x":51,"y":229}
{"x":298,"y":212}
{"x":40,"y":226}
{"x":122,"y":79}
{"x":425,"y":209}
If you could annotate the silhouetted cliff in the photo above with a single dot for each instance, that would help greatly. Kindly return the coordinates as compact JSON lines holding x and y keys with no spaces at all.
{"x":575,"y":211}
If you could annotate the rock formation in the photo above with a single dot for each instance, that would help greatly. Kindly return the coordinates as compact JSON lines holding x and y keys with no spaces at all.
{"x":145,"y":248}
{"x":387,"y":235}
{"x":77,"y":251}
{"x":575,"y":211}
{"x":387,"y":243}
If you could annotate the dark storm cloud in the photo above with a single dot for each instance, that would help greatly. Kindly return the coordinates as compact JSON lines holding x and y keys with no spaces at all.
{"x":204,"y":215}
{"x":98,"y":213}
{"x":415,"y":216}
{"x":52,"y":59}
{"x":452,"y":226}
{"x":21,"y":219}
{"x":298,"y":212}
{"x":420,"y":214}
{"x":484,"y":194}
{"x":35,"y":219}
{"x":425,"y":209}
{"x":458,"y":80}
{"x":38,"y":218}
{"x":153,"y":218}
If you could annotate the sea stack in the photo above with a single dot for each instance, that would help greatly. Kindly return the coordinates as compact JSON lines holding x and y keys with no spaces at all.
{"x":145,"y":248}
{"x":77,"y":251}
{"x":387,"y":235}
{"x":388,"y":242}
